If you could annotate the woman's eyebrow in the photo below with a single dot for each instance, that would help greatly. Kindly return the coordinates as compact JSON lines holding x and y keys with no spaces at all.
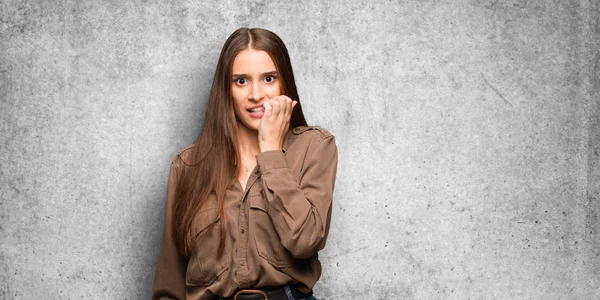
{"x":263,"y":74}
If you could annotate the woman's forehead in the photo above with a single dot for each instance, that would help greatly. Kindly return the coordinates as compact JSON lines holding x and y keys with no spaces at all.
{"x":250,"y":61}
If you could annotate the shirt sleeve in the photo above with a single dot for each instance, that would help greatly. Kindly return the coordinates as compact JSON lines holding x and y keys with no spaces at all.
{"x":169,"y":277}
{"x":300,"y":204}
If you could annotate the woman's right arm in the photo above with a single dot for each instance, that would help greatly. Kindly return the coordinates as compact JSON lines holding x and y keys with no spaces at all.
{"x":169,"y":277}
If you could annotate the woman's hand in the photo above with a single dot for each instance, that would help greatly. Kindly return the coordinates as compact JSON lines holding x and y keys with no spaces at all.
{"x":275,"y":122}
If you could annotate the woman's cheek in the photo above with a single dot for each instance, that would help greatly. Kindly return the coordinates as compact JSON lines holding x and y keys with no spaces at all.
{"x":273,"y":90}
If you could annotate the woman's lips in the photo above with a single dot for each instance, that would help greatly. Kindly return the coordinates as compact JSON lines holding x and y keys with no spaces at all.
{"x":257,"y":112}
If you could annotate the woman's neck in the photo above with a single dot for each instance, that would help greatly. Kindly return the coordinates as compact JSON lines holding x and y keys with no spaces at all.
{"x":247,"y":150}
{"x":247,"y":142}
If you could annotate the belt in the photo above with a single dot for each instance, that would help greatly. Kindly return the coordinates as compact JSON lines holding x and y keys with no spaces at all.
{"x":281,"y":293}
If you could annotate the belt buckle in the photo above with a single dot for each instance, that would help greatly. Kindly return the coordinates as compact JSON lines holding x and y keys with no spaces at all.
{"x":240,"y":292}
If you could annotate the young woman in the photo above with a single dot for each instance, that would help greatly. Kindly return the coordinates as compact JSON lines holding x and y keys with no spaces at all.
{"x":249,"y":203}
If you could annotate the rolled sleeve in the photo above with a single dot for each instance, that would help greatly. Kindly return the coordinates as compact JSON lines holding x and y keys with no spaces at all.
{"x":269,"y":160}
{"x":300,"y":204}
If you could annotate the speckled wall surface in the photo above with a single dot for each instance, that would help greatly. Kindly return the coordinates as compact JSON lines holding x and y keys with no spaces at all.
{"x":469,"y":138}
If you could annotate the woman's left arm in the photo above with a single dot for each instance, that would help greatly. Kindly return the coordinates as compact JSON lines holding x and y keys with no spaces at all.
{"x":300,"y":205}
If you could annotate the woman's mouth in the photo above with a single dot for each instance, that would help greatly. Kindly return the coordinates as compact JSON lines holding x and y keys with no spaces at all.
{"x":257,"y":112}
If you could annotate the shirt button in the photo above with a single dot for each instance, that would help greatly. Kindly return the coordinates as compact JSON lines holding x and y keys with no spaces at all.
{"x":242,"y":231}
{"x":241,"y":263}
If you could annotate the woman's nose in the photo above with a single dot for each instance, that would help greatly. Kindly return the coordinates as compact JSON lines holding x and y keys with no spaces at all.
{"x":256,"y":92}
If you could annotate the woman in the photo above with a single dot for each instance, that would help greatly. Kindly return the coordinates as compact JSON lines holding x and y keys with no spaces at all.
{"x":249,"y":203}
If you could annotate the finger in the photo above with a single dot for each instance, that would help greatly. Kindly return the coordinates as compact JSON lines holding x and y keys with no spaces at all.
{"x":268,"y":109}
{"x":290,"y":105}
{"x":276,"y":107}
{"x":284,"y":107}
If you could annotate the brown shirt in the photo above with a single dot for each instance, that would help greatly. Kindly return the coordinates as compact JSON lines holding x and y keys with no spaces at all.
{"x":274,"y":228}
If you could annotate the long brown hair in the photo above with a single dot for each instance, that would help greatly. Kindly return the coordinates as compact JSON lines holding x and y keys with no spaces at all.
{"x":212,"y":161}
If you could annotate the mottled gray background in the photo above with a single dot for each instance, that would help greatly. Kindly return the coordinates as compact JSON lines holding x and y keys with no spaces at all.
{"x":468,"y":133}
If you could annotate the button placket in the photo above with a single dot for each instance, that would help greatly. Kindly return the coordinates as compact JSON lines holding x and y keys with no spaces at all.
{"x":242,"y":248}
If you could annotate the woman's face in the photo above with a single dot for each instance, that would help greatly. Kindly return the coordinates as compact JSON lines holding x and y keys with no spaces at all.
{"x":254,"y":80}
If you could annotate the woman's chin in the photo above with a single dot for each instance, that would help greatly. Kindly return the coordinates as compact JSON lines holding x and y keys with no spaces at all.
{"x":249,"y":126}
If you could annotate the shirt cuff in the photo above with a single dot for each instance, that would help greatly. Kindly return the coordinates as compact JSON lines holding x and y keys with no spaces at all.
{"x":273,"y":159}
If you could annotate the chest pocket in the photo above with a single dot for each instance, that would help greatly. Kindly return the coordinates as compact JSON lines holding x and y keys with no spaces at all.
{"x":266,"y":238}
{"x":205,"y":266}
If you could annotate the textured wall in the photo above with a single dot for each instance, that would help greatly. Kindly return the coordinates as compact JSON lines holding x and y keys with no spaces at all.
{"x":469,"y":138}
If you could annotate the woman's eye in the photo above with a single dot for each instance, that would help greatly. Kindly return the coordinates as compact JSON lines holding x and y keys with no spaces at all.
{"x":240,"y":81}
{"x":269,"y":79}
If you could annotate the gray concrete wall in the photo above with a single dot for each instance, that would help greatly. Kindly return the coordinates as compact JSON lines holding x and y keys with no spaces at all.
{"x":469,"y":138}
